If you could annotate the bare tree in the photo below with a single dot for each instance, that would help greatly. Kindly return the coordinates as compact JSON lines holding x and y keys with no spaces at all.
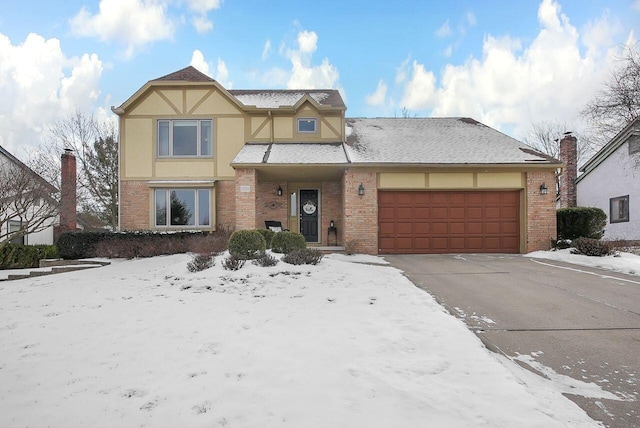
{"x":545,"y":136}
{"x":618,"y":103}
{"x":95,"y":146}
{"x":26,"y":201}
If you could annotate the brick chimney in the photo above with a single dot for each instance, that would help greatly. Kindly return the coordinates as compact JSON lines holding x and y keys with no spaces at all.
{"x":568,"y":156}
{"x":68,"y":193}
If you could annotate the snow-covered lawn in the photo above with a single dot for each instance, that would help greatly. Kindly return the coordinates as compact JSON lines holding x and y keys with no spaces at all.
{"x":622,"y":262}
{"x":340,"y":344}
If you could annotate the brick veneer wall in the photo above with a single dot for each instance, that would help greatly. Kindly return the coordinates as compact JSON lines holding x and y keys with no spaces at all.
{"x":541,"y":211}
{"x":225,"y":203}
{"x":331,"y":210}
{"x":360,"y":212}
{"x":245,"y":201}
{"x":134,"y":205}
{"x":270,"y":206}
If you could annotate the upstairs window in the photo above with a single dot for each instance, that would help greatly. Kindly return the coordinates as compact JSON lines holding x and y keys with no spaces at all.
{"x":307,"y":124}
{"x":185,"y":138}
{"x":619,"y":209}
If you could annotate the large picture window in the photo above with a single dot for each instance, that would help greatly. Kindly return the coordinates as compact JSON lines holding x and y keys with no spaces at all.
{"x":185,"y":138}
{"x":183,"y":207}
{"x":619,"y":209}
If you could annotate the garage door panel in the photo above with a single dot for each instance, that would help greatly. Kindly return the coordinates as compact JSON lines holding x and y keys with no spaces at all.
{"x":449,"y":221}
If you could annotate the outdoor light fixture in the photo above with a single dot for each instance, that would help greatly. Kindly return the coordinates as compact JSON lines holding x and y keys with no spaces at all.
{"x":332,"y":224}
{"x":360,"y":190}
{"x":543,"y":189}
{"x":279,"y":191}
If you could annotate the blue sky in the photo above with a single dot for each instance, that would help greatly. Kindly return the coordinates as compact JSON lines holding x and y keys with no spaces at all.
{"x":505,"y":63}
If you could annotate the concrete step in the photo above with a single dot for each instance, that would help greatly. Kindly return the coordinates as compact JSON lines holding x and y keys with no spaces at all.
{"x":62,"y":262}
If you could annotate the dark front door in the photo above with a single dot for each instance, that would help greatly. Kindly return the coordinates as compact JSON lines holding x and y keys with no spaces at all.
{"x":309,"y":214}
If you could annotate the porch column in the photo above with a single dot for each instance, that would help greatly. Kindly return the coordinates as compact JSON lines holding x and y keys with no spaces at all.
{"x":360,"y":211}
{"x":245,"y":198}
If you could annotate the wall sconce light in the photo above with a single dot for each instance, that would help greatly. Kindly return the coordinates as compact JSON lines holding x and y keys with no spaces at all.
{"x":543,"y":189}
{"x":279,"y":191}
{"x":360,"y":190}
{"x":332,"y":224}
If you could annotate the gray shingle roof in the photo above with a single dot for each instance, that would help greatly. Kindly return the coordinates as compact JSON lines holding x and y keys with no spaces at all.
{"x":187,"y":74}
{"x":435,"y":141}
{"x":291,"y":153}
{"x":275,"y":98}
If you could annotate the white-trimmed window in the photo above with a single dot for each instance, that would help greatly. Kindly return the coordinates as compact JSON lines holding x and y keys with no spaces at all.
{"x":619,"y":209}
{"x":192,"y":137}
{"x":15,"y":226}
{"x":307,"y":124}
{"x":183,"y":207}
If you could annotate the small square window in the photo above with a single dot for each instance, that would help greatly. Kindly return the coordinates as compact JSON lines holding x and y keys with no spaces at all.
{"x":619,"y":209}
{"x":634,"y":144}
{"x":307,"y":124}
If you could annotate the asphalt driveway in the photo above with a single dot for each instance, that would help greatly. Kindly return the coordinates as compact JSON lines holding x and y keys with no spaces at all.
{"x":580,"y":322}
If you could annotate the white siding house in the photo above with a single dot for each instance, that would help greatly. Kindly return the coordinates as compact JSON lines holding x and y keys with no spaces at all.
{"x":611,"y":181}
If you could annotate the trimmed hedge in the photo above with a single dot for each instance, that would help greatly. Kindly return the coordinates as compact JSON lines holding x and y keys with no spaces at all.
{"x":305,"y":256}
{"x":267,"y":234}
{"x":286,"y":242}
{"x":247,"y":244}
{"x":78,"y":245}
{"x":14,"y":256}
{"x":581,"y":222}
{"x":591,"y":247}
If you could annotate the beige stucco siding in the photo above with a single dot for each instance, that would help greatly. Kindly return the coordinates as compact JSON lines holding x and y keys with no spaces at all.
{"x":260,"y":128}
{"x":216,"y":103}
{"x":229,"y":140}
{"x":154,"y":104}
{"x":330,"y":128}
{"x":185,"y":168}
{"x":195,"y":97}
{"x":440,"y":180}
{"x":138,"y":148}
{"x":283,"y":128}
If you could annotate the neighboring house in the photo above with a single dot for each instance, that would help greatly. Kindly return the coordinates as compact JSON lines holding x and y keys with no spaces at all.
{"x":194,"y":155}
{"x":611,"y":180}
{"x":36,"y":197}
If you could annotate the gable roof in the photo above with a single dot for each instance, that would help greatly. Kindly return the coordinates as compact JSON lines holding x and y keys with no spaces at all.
{"x":4,"y":152}
{"x":187,"y":74}
{"x":436,"y":141}
{"x":632,"y":129}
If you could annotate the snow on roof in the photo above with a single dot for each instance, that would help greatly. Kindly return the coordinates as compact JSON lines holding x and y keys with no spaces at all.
{"x":292,"y":153}
{"x":434,"y":141}
{"x":286,"y":98}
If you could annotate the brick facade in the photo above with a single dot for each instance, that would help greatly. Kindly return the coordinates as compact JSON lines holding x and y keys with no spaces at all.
{"x":225,"y":203}
{"x":331,"y":194}
{"x":245,"y":188}
{"x":134,"y":205}
{"x":360,"y":212}
{"x":270,"y":206}
{"x":541,"y":211}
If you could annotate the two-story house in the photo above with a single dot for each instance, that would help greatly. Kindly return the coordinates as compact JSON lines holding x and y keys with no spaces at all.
{"x":194,"y":155}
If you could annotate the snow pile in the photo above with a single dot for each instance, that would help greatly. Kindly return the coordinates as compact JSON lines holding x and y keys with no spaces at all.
{"x":340,"y":344}
{"x":622,"y":262}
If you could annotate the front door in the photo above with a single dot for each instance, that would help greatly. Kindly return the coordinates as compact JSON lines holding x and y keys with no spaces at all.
{"x":309,"y":210}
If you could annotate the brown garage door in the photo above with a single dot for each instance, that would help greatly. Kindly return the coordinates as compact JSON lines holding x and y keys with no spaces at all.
{"x":448,"y":222}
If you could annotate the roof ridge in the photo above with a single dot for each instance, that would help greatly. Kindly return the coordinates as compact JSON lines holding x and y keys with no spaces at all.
{"x":189,"y":74}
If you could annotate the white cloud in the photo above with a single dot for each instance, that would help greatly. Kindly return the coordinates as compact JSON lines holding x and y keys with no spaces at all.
{"x":513,"y":84}
{"x":134,"y":23}
{"x":202,"y":24}
{"x":266,"y":51}
{"x":303,"y":74}
{"x":222,"y":73}
{"x":203,"y":6}
{"x":198,"y":61}
{"x":420,"y":89}
{"x":444,"y":30}
{"x":377,"y":98}
{"x":307,"y":41}
{"x":471,"y":19}
{"x":39,"y":85}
